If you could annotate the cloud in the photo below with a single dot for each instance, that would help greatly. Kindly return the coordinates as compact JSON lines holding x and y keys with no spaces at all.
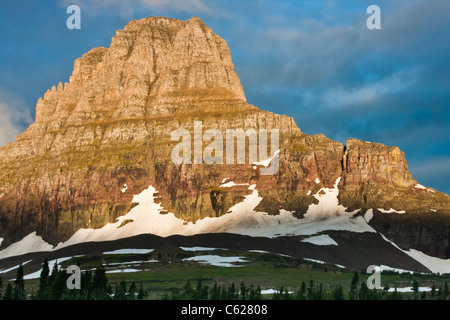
{"x":371,"y":93}
{"x":126,"y":8}
{"x":15,"y":116}
{"x":434,"y":173}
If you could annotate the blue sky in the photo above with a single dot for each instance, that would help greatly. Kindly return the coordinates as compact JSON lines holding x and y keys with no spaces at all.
{"x":313,"y":60}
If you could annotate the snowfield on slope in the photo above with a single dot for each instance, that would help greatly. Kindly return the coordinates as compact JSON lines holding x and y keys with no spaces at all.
{"x":31,"y":243}
{"x":242,"y":218}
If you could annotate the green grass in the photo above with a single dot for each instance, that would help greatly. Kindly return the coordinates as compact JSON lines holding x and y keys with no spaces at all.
{"x":269,"y":271}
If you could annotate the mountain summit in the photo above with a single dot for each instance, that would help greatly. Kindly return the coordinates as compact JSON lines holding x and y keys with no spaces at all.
{"x":104,"y":138}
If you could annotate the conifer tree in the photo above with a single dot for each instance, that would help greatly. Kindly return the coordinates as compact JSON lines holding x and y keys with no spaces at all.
{"x":141,"y":293}
{"x":188,"y":291}
{"x":354,"y":286}
{"x":132,"y":289}
{"x":43,"y":281}
{"x":19,"y":288}
{"x":243,"y":291}
{"x":8,"y":292}
{"x":415,"y":286}
{"x":231,"y":294}
{"x":100,"y":284}
{"x":338,"y":293}
{"x":363,"y":292}
{"x":446,"y":291}
{"x":215,"y":292}
{"x":302,"y":291}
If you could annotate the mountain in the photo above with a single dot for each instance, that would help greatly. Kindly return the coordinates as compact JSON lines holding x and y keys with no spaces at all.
{"x":98,"y":163}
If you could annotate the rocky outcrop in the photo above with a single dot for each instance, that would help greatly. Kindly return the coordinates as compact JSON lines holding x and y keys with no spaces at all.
{"x":111,"y":126}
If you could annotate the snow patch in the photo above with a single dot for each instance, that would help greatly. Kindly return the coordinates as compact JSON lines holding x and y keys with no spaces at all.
{"x":30,"y":243}
{"x":433,"y":210}
{"x":391,"y":210}
{"x":308,"y":193}
{"x":128,"y":263}
{"x":1,"y":241}
{"x":419,"y":186}
{"x":125,"y":188}
{"x":123,"y":270}
{"x":258,"y":251}
{"x":436,"y":265}
{"x":224,"y":179}
{"x":314,"y":260}
{"x":387,"y":268}
{"x":201,"y":248}
{"x":232,"y":184}
{"x":317,"y":181}
{"x":321,"y":240}
{"x":129,"y":251}
{"x":410,"y":289}
{"x":51,"y":264}
{"x":266,"y":163}
{"x":368,"y":215}
{"x":217,"y":261}
{"x":328,"y":205}
{"x":272,"y":291}
{"x":242,"y":218}
{"x":15,"y":267}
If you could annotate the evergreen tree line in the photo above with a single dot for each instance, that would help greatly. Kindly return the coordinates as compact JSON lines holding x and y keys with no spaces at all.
{"x":203,"y":292}
{"x":53,"y":286}
{"x":310,"y":291}
{"x":95,"y":286}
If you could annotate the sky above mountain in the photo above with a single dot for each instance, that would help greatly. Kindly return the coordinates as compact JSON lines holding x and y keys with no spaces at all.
{"x":313,"y":60}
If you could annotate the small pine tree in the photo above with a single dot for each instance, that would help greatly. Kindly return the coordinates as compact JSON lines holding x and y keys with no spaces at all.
{"x":232,"y":294}
{"x":121,"y":291}
{"x":354,"y":286}
{"x":198,"y":291}
{"x":415,"y":286}
{"x":286,"y":295}
{"x":446,"y":291}
{"x":302,"y":291}
{"x":258,"y":295}
{"x":132,"y":290}
{"x":100,"y":284}
{"x":433,"y":291}
{"x":364,"y":292}
{"x":311,"y":290}
{"x":338,"y":293}
{"x":43,"y":281}
{"x":8,"y":292}
{"x":19,"y":289}
{"x":188,"y":291}
{"x":215,"y":292}
{"x":243,"y":291}
{"x":141,"y":293}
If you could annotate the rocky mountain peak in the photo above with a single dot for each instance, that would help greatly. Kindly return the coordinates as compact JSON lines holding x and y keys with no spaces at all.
{"x":151,"y":66}
{"x":111,"y":126}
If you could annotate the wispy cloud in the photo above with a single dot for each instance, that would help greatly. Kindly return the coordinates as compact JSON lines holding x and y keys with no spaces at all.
{"x":370,"y":93}
{"x":126,"y":8}
{"x":15,"y":116}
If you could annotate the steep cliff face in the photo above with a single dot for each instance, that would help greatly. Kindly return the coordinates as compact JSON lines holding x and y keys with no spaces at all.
{"x":106,"y":136}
